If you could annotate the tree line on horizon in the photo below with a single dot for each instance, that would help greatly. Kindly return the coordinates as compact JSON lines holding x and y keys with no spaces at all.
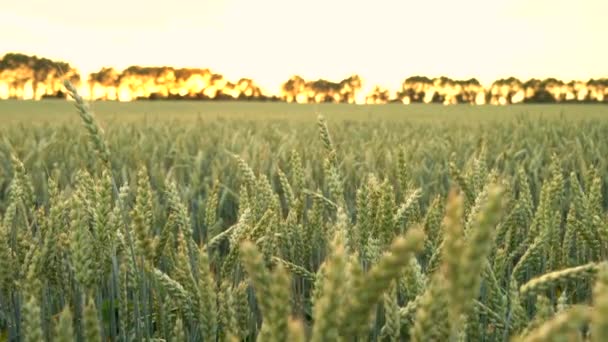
{"x":32,"y":77}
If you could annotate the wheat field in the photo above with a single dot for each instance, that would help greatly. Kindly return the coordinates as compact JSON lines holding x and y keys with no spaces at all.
{"x":302,"y":223}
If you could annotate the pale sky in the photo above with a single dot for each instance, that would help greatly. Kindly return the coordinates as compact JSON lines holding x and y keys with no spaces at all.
{"x":384,"y":41}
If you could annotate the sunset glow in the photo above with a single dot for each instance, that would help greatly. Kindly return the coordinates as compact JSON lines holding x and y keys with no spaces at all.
{"x":267,"y":41}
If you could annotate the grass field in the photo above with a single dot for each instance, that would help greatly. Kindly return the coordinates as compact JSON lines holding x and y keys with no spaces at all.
{"x":58,"y":111}
{"x":232,"y":221}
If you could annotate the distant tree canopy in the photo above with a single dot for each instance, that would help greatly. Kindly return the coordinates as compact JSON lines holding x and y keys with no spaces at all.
{"x":503,"y":91}
{"x":168,"y":83}
{"x":421,"y":89}
{"x":31,"y":77}
{"x":105,"y":77}
{"x":296,"y":89}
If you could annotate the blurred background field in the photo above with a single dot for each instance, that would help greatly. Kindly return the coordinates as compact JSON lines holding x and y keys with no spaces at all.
{"x":193,"y":140}
{"x":60,"y":111}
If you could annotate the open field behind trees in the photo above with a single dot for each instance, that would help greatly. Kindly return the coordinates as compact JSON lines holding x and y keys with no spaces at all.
{"x":244,"y":221}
